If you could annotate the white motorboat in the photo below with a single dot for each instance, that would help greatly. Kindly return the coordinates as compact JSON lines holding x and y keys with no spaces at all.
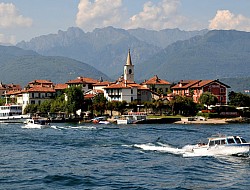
{"x":37,"y":123}
{"x":132,"y":118}
{"x":219,"y":145}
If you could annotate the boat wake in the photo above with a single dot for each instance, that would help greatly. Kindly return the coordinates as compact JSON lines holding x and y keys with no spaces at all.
{"x":74,"y":127}
{"x":160,"y":147}
{"x":186,"y":151}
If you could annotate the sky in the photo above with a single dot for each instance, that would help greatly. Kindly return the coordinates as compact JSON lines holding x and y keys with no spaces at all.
{"x":26,"y":19}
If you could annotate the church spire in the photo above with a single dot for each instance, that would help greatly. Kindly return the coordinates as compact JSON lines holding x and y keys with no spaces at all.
{"x":128,"y":69}
{"x":129,"y":62}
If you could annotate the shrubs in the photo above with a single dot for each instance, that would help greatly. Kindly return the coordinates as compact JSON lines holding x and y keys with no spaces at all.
{"x":208,"y":115}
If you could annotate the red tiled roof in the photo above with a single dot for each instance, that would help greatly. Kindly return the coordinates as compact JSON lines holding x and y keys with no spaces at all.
{"x":41,"y":81}
{"x":39,"y":89}
{"x":61,"y":86}
{"x":155,"y":80}
{"x":185,"y":84}
{"x":14,"y":92}
{"x":119,"y":85}
{"x":195,"y":84}
{"x":126,"y":85}
{"x":202,"y":83}
{"x":104,"y":83}
{"x":206,"y":82}
{"x":82,"y":80}
{"x":10,"y":87}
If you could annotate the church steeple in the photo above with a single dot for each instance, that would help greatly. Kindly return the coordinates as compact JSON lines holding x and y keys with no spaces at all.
{"x":129,"y":62}
{"x":129,"y":69}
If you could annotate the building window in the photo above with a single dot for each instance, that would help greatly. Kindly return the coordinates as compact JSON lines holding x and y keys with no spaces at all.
{"x":222,"y":90}
{"x":132,"y":99}
{"x":132,"y":91}
{"x":32,"y":102}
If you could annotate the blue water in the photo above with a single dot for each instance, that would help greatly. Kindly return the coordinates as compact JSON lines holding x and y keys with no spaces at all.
{"x":87,"y":156}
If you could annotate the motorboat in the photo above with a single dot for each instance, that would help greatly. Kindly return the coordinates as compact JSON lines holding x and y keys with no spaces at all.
{"x":132,"y":118}
{"x":219,"y":145}
{"x":37,"y":123}
{"x":100,"y":120}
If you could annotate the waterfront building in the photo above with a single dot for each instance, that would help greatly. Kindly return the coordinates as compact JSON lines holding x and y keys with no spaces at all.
{"x":5,"y":88}
{"x":84,"y":82}
{"x":195,"y":88}
{"x":157,"y":85}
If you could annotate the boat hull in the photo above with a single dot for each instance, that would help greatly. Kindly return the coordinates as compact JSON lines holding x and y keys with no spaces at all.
{"x":123,"y":121}
{"x":226,"y":150}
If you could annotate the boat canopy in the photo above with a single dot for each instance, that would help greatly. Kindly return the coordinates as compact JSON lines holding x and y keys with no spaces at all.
{"x":221,"y":140}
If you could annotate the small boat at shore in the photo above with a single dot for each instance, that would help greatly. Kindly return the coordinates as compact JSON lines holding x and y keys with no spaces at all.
{"x":37,"y":123}
{"x":219,"y":145}
{"x":100,"y":120}
{"x":132,"y":118}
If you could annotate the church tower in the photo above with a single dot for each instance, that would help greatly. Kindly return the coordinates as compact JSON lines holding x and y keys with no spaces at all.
{"x":129,"y":69}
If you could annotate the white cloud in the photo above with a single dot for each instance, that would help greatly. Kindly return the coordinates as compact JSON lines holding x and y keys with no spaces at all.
{"x":10,"y":17}
{"x":158,"y":16}
{"x":7,"y":39}
{"x":98,"y":14}
{"x":225,"y":20}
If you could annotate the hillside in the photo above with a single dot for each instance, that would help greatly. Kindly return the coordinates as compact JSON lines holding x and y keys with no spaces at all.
{"x":217,"y":54}
{"x":238,"y":84}
{"x":22,"y":66}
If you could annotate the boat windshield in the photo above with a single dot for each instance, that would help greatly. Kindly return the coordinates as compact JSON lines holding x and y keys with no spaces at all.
{"x":243,"y":140}
{"x":230,"y":141}
{"x":237,"y":139}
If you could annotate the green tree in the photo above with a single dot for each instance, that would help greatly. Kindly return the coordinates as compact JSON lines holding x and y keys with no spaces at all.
{"x":45,"y":106}
{"x":75,"y":99}
{"x":31,"y":108}
{"x":111,"y":105}
{"x":133,"y":105}
{"x":147,"y":105}
{"x":183,"y":105}
{"x":100,"y":103}
{"x":158,"y":106}
{"x":239,"y":99}
{"x":2,"y":101}
{"x":208,"y":98}
{"x":59,"y":104}
{"x":120,"y":106}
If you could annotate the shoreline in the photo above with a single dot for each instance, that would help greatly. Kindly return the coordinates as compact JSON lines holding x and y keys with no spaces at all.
{"x":206,"y":121}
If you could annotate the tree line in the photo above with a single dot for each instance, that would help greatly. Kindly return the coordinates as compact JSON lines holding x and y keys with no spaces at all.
{"x":72,"y":99}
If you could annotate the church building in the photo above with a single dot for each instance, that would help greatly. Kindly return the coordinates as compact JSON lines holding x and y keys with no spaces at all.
{"x":125,"y":88}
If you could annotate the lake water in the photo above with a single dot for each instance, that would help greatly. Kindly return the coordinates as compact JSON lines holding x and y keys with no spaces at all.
{"x":87,"y":156}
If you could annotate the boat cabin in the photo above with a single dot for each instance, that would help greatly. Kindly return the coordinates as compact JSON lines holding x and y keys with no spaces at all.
{"x":222,"y":140}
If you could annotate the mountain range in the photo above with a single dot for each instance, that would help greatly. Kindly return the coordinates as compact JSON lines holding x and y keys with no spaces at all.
{"x":106,"y":49}
{"x":22,"y":66}
{"x":171,"y":54}
{"x":215,"y":55}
